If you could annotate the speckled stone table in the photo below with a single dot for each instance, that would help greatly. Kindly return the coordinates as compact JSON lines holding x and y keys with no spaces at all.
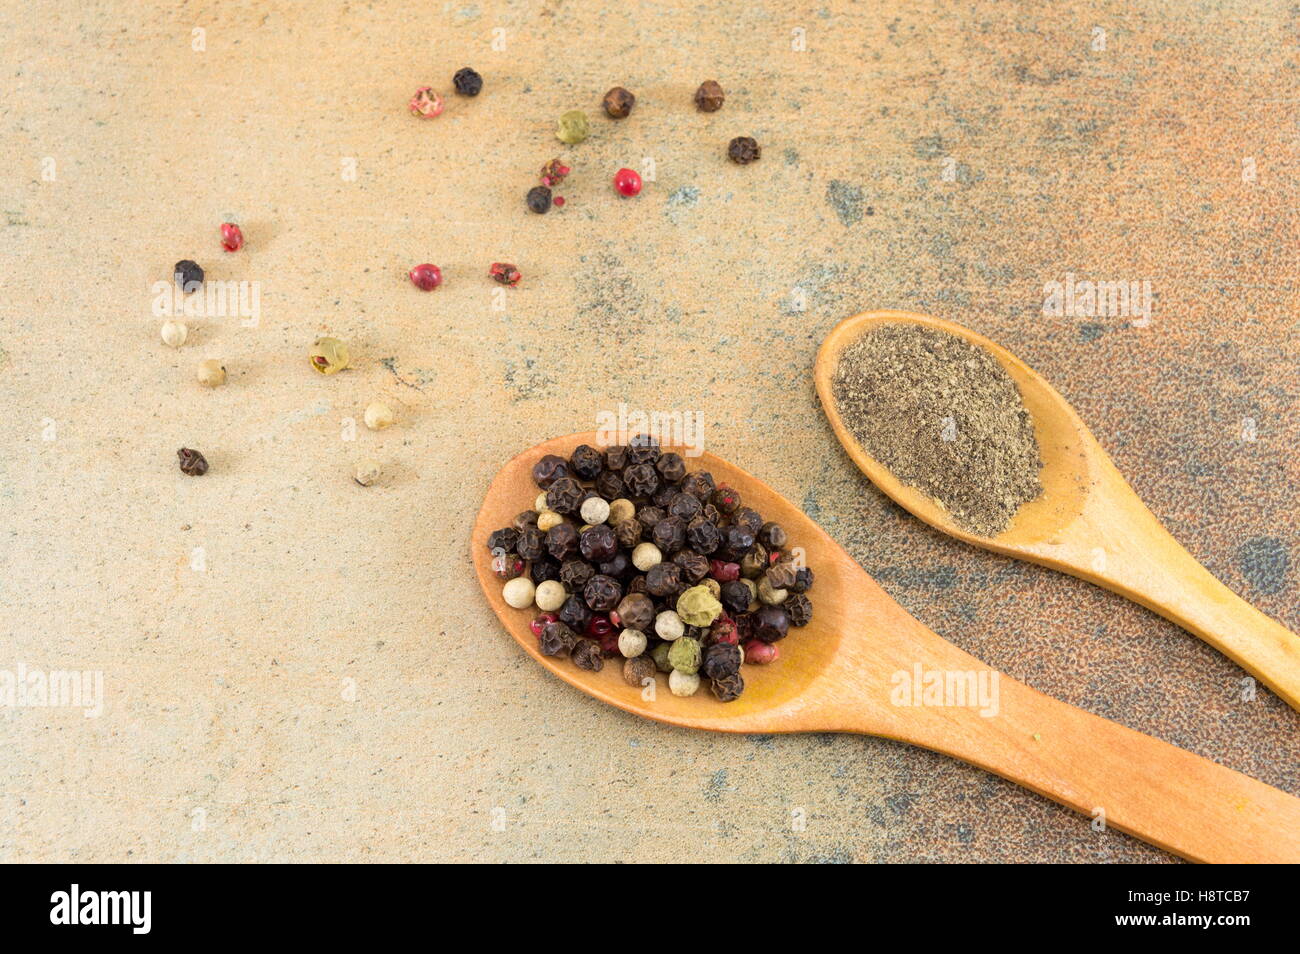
{"x":297,"y":668}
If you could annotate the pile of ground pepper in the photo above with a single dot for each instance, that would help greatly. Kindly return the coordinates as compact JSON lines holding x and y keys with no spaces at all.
{"x":629,"y":556}
{"x":945,"y":417}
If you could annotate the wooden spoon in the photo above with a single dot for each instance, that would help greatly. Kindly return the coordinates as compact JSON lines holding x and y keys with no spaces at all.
{"x":1088,"y":521}
{"x":843,"y":672}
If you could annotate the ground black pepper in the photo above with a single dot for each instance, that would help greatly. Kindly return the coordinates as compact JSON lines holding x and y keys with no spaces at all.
{"x":194,"y":464}
{"x":743,"y":150}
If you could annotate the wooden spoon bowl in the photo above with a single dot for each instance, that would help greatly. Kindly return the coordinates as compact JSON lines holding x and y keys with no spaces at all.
{"x":842,"y":672}
{"x":1087,"y":522}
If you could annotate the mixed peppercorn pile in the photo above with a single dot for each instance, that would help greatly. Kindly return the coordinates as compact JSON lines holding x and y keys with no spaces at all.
{"x":626,"y":555}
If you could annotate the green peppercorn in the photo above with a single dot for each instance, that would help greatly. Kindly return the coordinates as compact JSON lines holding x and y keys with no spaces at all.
{"x":685,"y":655}
{"x":573,"y":127}
{"x":660,"y":656}
{"x":329,"y":355}
{"x":698,"y":606}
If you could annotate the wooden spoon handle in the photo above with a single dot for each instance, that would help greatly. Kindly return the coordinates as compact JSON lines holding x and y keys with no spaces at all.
{"x":1118,"y":777}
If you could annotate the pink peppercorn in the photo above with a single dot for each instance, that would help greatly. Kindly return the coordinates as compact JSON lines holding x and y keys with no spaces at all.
{"x":724,"y":572}
{"x":724,"y":630}
{"x":599,"y":626}
{"x":627,"y":182}
{"x":558,"y":202}
{"x":539,"y":624}
{"x":232,"y":237}
{"x":505,"y":273}
{"x":426,"y":277}
{"x":426,"y":103}
{"x":760,"y":653}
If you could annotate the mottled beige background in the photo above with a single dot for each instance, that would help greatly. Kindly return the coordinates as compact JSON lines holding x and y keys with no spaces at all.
{"x":226,"y":709}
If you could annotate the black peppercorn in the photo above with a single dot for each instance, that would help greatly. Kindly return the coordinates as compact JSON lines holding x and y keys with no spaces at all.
{"x":610,"y":485}
{"x":773,"y":536}
{"x":743,"y":150}
{"x":532,"y":544}
{"x":726,"y":499}
{"x":615,"y":457}
{"x":636,"y":584}
{"x":686,"y":506}
{"x":549,"y":469}
{"x":194,"y":464}
{"x":721,"y":660}
{"x":754,"y":563}
{"x":467,"y":82}
{"x":618,"y":102}
{"x":664,"y":495}
{"x":803,"y":580}
{"x":709,"y":97}
{"x":539,"y":199}
{"x":663,"y":579}
{"x":703,"y":536}
{"x":598,"y":543}
{"x":736,"y":596}
{"x":671,"y":467}
{"x":749,"y":519}
{"x":799,"y":608}
{"x":574,"y":613}
{"x":557,"y":639}
{"x":526,"y":519}
{"x":729,"y":688}
{"x":602,"y":593}
{"x":586,"y":655}
{"x":575,"y":573}
{"x":669,"y":534}
{"x":771,"y":623}
{"x":628,"y":533}
{"x":539,"y":571}
{"x":641,"y":480}
{"x":619,"y":566}
{"x":649,"y":516}
{"x":643,"y":449}
{"x":188,"y":274}
{"x":636,"y":611}
{"x":503,"y":540}
{"x":586,"y":462}
{"x":781,"y":576}
{"x":565,"y":495}
{"x":561,"y":541}
{"x":695,"y":566}
{"x":700,"y":484}
{"x":736,"y":542}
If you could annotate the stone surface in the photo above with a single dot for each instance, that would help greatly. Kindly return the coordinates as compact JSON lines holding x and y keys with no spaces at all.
{"x":329,"y":684}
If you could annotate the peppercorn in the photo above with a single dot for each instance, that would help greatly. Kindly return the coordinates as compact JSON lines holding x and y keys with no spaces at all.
{"x":645,"y":556}
{"x":627,"y":183}
{"x":724,"y":571}
{"x":575,"y":573}
{"x":721,"y":660}
{"x":618,"y":102}
{"x":799,"y":608}
{"x":771,"y":623}
{"x":554,"y":172}
{"x":736,"y":596}
{"x":426,"y":103}
{"x":543,"y":570}
{"x":736,"y":542}
{"x":426,"y":277}
{"x":539,"y":199}
{"x":671,"y":468}
{"x":519,"y":592}
{"x":643,"y":449}
{"x":467,"y":82}
{"x":664,"y":495}
{"x":759,"y":653}
{"x":803,"y":580}
{"x":572,"y":127}
{"x":594,"y":510}
{"x":550,"y":595}
{"x":586,"y":655}
{"x":549,"y":469}
{"x":574,"y":613}
{"x":781,"y":575}
{"x":723,"y":630}
{"x":617,"y":566}
{"x":610,"y":485}
{"x":598,"y":543}
{"x":685,"y":506}
{"x":641,"y":480}
{"x":503,"y":273}
{"x":532,"y":544}
{"x":602,"y":593}
{"x":628,"y":533}
{"x":683,"y":684}
{"x":638,"y":669}
{"x":743,"y":150}
{"x":615,"y":457}
{"x":709,"y":97}
{"x":769,"y":594}
{"x":772,"y":536}
{"x":669,"y":534}
{"x":695,"y":566}
{"x":192,"y":463}
{"x":329,"y":355}
{"x":748,"y":518}
{"x":507,"y":566}
{"x":703,"y":536}
{"x":188,"y":275}
{"x":663,"y":579}
{"x":636,"y":611}
{"x":726,"y":499}
{"x":504,"y":540}
{"x":699,"y":484}
{"x":685,"y":655}
{"x":649,"y":516}
{"x":728,"y":688}
{"x":561,"y":541}
{"x":599,"y":626}
{"x":211,"y":373}
{"x":548,"y":519}
{"x":636,"y":584}
{"x":524,"y":519}
{"x":557,"y":639}
{"x":698,"y":606}
{"x":753,"y":563}
{"x":538,"y":624}
{"x":564,"y":495}
{"x":632,"y":643}
{"x":669,"y":626}
{"x":174,"y":333}
{"x":659,"y":654}
{"x":714,"y":588}
{"x":232,"y":237}
{"x":378,"y":416}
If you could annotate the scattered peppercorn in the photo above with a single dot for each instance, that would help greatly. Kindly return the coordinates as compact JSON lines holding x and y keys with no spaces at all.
{"x":379,"y":416}
{"x":709,"y":97}
{"x":539,"y":199}
{"x":232,"y":237}
{"x":467,"y":82}
{"x":330,"y":355}
{"x":426,"y":277}
{"x":573,"y":127}
{"x":367,"y":472}
{"x":743,"y":150}
{"x":426,"y":103}
{"x":554,"y":172}
{"x":211,"y":373}
{"x":188,"y":275}
{"x":192,"y":462}
{"x":618,"y":102}
{"x":627,"y":182}
{"x":504,"y":273}
{"x":174,"y":333}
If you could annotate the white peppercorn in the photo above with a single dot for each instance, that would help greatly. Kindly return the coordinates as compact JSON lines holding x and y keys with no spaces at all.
{"x":174,"y":333}
{"x":683,"y":684}
{"x":645,"y":556}
{"x":769,"y":595}
{"x":669,"y":625}
{"x":594,"y":510}
{"x":367,"y":472}
{"x":631,"y":643}
{"x":547,"y":519}
{"x":550,"y":595}
{"x":211,"y":373}
{"x":378,"y":416}
{"x":540,"y":503}
{"x":519,"y":592}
